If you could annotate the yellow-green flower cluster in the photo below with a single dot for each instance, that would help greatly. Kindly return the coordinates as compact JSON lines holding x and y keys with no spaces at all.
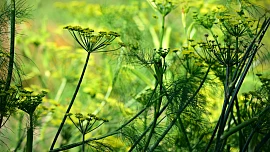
{"x":91,"y":41}
{"x":162,"y":52}
{"x":88,"y":117}
{"x":206,"y":20}
{"x":28,"y":101}
{"x":236,"y":26}
{"x":90,"y":120}
{"x":8,"y":100}
{"x":164,"y":7}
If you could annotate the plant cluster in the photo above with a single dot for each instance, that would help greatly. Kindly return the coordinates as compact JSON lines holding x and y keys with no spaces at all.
{"x":166,"y":86}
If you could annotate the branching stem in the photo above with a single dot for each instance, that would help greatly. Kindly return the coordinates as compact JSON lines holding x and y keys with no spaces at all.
{"x":180,"y":110}
{"x":72,"y":101}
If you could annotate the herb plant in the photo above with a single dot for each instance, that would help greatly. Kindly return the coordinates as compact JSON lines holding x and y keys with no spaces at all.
{"x":173,"y":82}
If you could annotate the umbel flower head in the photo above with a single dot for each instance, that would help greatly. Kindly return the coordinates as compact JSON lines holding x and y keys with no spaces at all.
{"x":164,"y":7}
{"x":28,"y":101}
{"x":91,"y":41}
{"x":86,"y":123}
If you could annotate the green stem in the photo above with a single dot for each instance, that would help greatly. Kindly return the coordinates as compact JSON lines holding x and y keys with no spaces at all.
{"x":180,"y":110}
{"x":162,"y":31}
{"x":11,"y":58}
{"x":12,"y":43}
{"x":238,"y":128}
{"x":227,"y":87}
{"x":252,"y":50}
{"x":148,"y":128}
{"x":30,"y":130}
{"x":1,"y":120}
{"x":116,"y":131}
{"x":72,"y":101}
{"x":156,"y":115}
{"x":101,"y":137}
{"x":159,"y":74}
{"x":20,"y":134}
{"x":244,"y":149}
{"x":66,"y":147}
{"x":241,"y":136}
{"x":262,"y":142}
{"x":242,"y":71}
{"x":181,"y":125}
{"x":83,"y":139}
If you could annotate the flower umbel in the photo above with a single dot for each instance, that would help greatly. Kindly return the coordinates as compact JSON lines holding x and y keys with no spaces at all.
{"x":28,"y":101}
{"x":164,"y":7}
{"x":89,"y":40}
{"x":85,"y":123}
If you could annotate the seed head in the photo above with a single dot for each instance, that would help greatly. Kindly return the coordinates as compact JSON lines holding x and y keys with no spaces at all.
{"x":90,"y":41}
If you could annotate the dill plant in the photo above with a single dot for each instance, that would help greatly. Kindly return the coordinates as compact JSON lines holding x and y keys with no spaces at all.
{"x":87,"y":124}
{"x":13,"y":96}
{"x":10,"y":58}
{"x":240,"y":43}
{"x":90,"y":42}
{"x":172,"y":94}
{"x":11,"y":14}
{"x":172,"y":112}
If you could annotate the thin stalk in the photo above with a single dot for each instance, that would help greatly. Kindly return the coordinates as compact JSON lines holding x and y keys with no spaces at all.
{"x":66,"y":147}
{"x":180,"y":110}
{"x":252,"y":51}
{"x":20,"y":134}
{"x":257,"y":148}
{"x":262,"y":142}
{"x":156,"y":115}
{"x":11,"y":58}
{"x":241,"y":137}
{"x":236,"y":75}
{"x":224,"y":141}
{"x":238,"y":127}
{"x":212,"y":137}
{"x":141,"y":136}
{"x":162,"y":31}
{"x":30,"y":131}
{"x":243,"y":75}
{"x":149,"y":127}
{"x":236,"y":49}
{"x":159,"y":80}
{"x":83,"y":139}
{"x":1,"y":121}
{"x":184,"y":133}
{"x":113,"y":132}
{"x":227,"y":88}
{"x":72,"y":101}
{"x":19,"y":143}
{"x":101,"y":137}
{"x":12,"y":43}
{"x":248,"y":140}
{"x":224,"y":108}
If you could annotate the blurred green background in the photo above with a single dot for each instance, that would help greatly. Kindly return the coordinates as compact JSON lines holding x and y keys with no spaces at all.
{"x":51,"y":60}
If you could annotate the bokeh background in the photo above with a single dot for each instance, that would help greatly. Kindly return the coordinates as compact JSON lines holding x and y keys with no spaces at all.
{"x":50,"y":59}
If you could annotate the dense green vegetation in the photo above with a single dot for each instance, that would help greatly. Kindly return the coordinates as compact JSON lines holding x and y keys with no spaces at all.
{"x":137,"y":75}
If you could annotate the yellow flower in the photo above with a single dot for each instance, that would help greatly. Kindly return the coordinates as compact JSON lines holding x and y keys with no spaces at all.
{"x":88,"y":40}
